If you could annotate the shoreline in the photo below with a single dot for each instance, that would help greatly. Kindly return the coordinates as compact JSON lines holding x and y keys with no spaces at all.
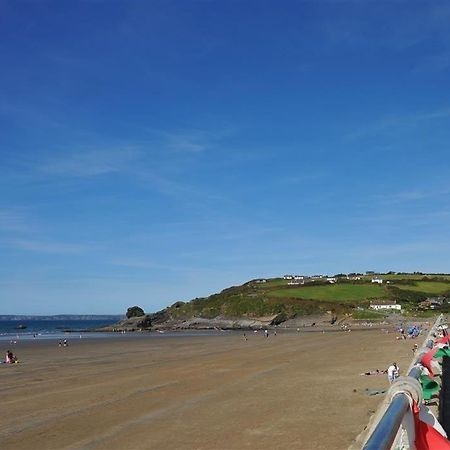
{"x":180,"y":332}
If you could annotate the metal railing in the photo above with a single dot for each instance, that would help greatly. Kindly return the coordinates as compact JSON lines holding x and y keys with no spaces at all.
{"x":386,"y":431}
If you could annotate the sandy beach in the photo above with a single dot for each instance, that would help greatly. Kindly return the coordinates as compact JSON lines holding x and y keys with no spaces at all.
{"x":290,"y":391}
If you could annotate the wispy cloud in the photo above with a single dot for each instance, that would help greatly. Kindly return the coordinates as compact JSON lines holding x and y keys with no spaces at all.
{"x":304,"y":177}
{"x":433,"y":63}
{"x":412,"y":195}
{"x":87,"y":163}
{"x":14,"y":220}
{"x":188,"y":143}
{"x":136,"y":263}
{"x":191,"y":141}
{"x":48,"y":246}
{"x":401,"y":221}
{"x":367,"y":26}
{"x":170,"y":186}
{"x":29,"y":114}
{"x":393,"y":122}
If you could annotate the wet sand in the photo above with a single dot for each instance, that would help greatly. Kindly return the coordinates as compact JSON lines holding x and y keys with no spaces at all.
{"x":290,"y":391}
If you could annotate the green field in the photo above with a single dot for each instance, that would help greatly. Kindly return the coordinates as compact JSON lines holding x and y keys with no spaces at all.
{"x":338,"y":292}
{"x":428,"y":287}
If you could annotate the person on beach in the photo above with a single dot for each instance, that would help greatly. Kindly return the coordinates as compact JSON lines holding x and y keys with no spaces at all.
{"x":10,"y":358}
{"x":65,"y":343}
{"x":393,"y":372}
{"x":374,"y":372}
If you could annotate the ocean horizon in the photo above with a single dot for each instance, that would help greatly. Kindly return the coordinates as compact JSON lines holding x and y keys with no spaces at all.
{"x":76,"y":329}
{"x":35,"y":328}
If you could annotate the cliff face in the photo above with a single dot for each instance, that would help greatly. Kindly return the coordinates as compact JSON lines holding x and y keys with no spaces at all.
{"x":162,"y":320}
{"x":131,"y":324}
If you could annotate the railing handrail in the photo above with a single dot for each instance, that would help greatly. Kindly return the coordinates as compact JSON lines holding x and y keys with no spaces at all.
{"x":386,"y":430}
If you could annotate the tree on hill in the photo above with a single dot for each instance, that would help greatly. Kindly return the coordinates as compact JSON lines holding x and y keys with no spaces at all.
{"x":135,"y":311}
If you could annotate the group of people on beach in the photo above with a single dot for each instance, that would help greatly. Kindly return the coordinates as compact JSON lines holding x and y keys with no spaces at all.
{"x":411,"y":333}
{"x":266,"y":333}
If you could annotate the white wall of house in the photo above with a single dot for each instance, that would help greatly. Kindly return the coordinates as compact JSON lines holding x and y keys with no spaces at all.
{"x":392,"y":306}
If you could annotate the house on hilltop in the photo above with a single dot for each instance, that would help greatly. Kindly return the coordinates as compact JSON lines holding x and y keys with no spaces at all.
{"x":353,"y":277}
{"x":385,"y":304}
{"x":432,"y":303}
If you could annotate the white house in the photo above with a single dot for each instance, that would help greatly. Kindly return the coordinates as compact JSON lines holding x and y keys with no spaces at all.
{"x":385,"y":304}
{"x":288,"y":277}
{"x":377,"y":280}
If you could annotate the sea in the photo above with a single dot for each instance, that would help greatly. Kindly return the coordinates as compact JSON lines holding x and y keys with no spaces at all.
{"x":13,"y":331}
{"x":41,"y":329}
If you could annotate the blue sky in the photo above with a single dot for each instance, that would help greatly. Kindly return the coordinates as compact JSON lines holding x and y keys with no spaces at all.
{"x":159,"y":151}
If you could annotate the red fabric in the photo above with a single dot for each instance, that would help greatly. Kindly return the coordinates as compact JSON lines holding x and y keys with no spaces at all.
{"x":443,"y":340}
{"x":427,"y":437}
{"x":426,"y":360}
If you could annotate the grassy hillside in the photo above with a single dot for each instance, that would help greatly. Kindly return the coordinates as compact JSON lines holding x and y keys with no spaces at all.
{"x":277,"y":297}
{"x":344,"y":292}
{"x":429,"y":287}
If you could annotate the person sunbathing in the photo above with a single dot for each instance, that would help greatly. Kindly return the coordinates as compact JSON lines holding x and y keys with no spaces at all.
{"x":374,"y":372}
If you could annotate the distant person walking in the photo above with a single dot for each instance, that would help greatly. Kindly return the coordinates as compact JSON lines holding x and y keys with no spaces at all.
{"x":393,"y":372}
